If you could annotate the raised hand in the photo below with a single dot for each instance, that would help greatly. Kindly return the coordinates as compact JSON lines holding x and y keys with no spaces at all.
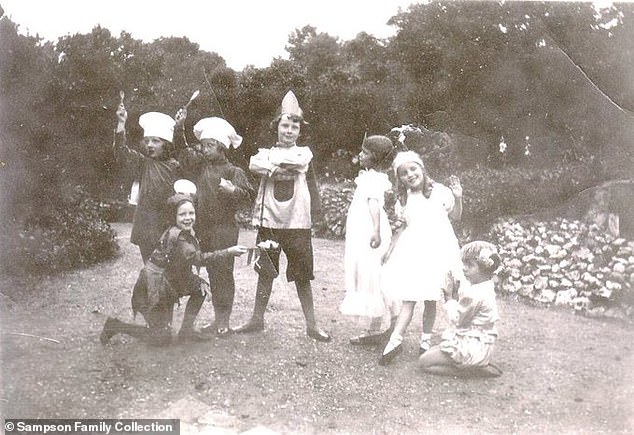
{"x":455,"y":186}
{"x":180,"y":117}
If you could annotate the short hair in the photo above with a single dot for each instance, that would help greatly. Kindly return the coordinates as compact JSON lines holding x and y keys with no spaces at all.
{"x":485,"y":254}
{"x":175,"y":201}
{"x":278,"y":118}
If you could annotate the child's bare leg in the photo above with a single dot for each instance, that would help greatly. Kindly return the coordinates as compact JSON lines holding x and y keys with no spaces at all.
{"x":429,"y":317}
{"x":262,"y":295}
{"x":437,"y":362}
{"x":403,"y":320}
{"x":305,"y":294}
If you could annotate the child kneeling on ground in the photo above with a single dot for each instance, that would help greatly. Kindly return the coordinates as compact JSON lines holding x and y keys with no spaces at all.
{"x":466,"y":348}
{"x":166,"y":277}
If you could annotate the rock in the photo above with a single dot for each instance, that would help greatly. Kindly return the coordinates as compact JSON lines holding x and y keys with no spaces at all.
{"x":574,"y":275}
{"x":566,"y":283}
{"x":604,"y":292}
{"x":541,"y":283}
{"x":565,"y":297}
{"x":526,"y":291}
{"x":552,"y":250}
{"x":619,"y":268}
{"x":613,"y":286}
{"x":581,"y":303}
{"x":546,"y":296}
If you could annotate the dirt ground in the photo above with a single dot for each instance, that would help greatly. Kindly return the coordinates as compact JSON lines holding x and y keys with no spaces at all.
{"x":562,"y":373}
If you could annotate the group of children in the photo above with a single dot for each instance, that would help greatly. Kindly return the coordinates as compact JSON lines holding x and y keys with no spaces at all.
{"x":385,"y":274}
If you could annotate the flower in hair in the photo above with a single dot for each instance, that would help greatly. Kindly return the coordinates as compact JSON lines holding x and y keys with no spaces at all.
{"x":485,"y":257}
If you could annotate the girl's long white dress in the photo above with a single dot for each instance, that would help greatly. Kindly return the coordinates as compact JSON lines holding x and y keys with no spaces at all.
{"x":362,"y":263}
{"x":426,"y":250}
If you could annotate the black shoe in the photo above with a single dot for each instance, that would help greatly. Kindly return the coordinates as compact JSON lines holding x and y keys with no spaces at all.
{"x":318,"y":334}
{"x":388,"y":357}
{"x":249,"y":327}
{"x":108,"y":330}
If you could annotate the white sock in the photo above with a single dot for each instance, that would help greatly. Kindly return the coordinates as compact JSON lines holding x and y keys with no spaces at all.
{"x":395,"y":341}
{"x":425,"y":340}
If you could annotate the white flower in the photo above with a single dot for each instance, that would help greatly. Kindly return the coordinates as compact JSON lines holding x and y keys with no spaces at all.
{"x":485,"y":257}
{"x":268,"y":244}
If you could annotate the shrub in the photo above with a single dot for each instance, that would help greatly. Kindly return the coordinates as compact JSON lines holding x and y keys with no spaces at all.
{"x":71,"y":234}
{"x":493,"y":193}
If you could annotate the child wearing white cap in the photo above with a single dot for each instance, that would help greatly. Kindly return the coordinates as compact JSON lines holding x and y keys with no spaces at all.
{"x":156,"y":171}
{"x":286,"y":202}
{"x":223,"y":189}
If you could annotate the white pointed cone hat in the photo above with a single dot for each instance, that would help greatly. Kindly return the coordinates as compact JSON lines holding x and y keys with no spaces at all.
{"x":290,"y":105}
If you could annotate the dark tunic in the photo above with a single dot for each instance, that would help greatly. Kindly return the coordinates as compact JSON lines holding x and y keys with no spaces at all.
{"x":156,"y":180}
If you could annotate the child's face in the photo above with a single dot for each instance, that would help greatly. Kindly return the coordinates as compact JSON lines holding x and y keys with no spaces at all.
{"x":365,"y":158}
{"x":411,"y":175}
{"x":185,"y":216}
{"x":473,"y":272}
{"x":287,"y":132}
{"x":212,"y":150}
{"x":155,"y":146}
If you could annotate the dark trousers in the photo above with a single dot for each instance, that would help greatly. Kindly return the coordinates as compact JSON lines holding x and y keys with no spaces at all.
{"x":220,"y":270}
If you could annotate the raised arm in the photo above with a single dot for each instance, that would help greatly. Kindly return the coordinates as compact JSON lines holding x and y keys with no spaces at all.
{"x":121,"y":149}
{"x":455,"y":213}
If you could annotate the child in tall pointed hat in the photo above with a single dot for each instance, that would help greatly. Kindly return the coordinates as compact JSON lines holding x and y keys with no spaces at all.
{"x":286,"y":204}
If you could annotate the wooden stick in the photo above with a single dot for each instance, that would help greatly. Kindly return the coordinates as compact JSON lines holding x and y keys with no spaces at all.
{"x":35,"y":336}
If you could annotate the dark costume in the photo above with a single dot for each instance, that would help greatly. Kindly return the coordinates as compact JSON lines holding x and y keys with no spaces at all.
{"x":166,"y":277}
{"x":216,"y":225}
{"x":156,"y":180}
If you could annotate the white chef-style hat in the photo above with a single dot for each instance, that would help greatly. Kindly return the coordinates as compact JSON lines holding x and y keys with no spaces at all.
{"x":219,"y":130}
{"x":157,"y":124}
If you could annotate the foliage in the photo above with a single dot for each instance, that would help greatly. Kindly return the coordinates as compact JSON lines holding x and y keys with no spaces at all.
{"x":72,"y":234}
{"x":490,"y":193}
{"x":548,"y":82}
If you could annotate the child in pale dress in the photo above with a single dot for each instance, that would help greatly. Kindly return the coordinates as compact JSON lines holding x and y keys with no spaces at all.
{"x":368,"y":234}
{"x":424,"y":252}
{"x":466,"y":347}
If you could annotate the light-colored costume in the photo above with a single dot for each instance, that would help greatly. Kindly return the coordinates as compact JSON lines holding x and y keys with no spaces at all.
{"x":471,"y":342}
{"x":363,"y":263}
{"x":426,"y":250}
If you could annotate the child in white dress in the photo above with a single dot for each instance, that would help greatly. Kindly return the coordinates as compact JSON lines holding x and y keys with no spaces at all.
{"x":368,"y":234}
{"x":469,"y":343}
{"x":424,"y":252}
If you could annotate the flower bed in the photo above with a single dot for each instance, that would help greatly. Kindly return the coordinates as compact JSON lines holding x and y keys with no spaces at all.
{"x":567,"y":263}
